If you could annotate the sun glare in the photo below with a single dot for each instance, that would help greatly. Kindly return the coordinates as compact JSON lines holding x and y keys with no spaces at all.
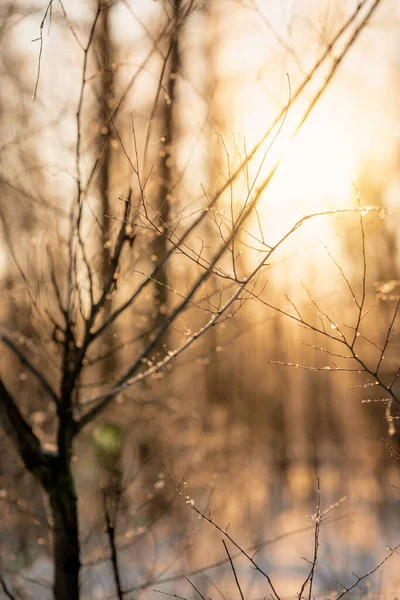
{"x":317,"y":169}
{"x":319,"y":166}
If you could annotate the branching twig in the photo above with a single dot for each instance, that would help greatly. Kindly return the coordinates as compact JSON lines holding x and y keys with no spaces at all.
{"x":346,"y":590}
{"x":190,"y":502}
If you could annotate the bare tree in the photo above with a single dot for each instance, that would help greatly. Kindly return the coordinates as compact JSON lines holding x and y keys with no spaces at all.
{"x":83,"y":302}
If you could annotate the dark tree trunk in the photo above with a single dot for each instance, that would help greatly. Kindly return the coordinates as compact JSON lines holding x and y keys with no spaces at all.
{"x":53,"y":471}
{"x":63,"y":503}
{"x":54,"y":475}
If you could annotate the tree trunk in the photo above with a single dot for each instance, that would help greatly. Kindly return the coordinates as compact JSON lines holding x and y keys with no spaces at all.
{"x":63,"y":503}
{"x":55,"y":477}
{"x":167,"y":165}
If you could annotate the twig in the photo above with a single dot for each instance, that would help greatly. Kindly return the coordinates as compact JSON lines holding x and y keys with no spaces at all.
{"x":110,"y":529}
{"x":371,"y":572}
{"x":192,"y":505}
{"x":233,"y":569}
{"x":317,"y":520}
{"x":40,"y":38}
{"x":6,"y":589}
{"x":130,"y":378}
{"x":225,"y":561}
{"x":195,"y":588}
{"x":170,"y":595}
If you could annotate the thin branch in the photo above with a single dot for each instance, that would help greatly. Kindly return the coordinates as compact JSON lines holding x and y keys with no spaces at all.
{"x":364,"y":276}
{"x":6,"y":589}
{"x":10,"y":245}
{"x":254,"y":549}
{"x":336,"y":63}
{"x":192,"y":505}
{"x":317,"y":520}
{"x":195,"y":589}
{"x":27,"y":363}
{"x":21,"y":434}
{"x":346,"y":590}
{"x":233,"y":570}
{"x":161,"y":262}
{"x":388,"y":337}
{"x":40,"y":39}
{"x":79,"y":113}
{"x":110,"y":530}
{"x":170,"y":595}
{"x":130,"y":378}
{"x":340,"y":269}
{"x":214,"y":585}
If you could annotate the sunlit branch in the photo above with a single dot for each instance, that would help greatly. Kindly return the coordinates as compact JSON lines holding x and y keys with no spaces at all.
{"x":70,"y":27}
{"x":303,"y":85}
{"x":389,"y":335}
{"x":160,"y":263}
{"x":40,"y":39}
{"x":317,"y":519}
{"x":342,"y":273}
{"x":209,"y":519}
{"x":129,"y":378}
{"x":220,"y":563}
{"x":349,"y":345}
{"x":361,"y":303}
{"x":346,"y":590}
{"x":328,"y":78}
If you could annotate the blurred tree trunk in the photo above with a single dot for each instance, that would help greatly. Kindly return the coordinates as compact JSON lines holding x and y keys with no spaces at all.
{"x":167,"y":159}
{"x":105,"y":94}
{"x":215,"y":376}
{"x":147,"y":447}
{"x":110,"y":464}
{"x":103,"y":51}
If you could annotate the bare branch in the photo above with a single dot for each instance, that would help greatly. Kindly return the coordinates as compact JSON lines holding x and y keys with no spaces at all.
{"x":388,"y":337}
{"x":195,"y":589}
{"x":20,"y":432}
{"x":316,"y":518}
{"x":40,"y":39}
{"x":190,"y":502}
{"x":6,"y":589}
{"x":130,"y":378}
{"x":233,"y":570}
{"x":110,"y":529}
{"x":371,"y":572}
{"x":27,"y":363}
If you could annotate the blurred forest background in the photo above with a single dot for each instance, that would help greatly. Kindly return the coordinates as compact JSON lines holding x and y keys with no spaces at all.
{"x":181,"y":91}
